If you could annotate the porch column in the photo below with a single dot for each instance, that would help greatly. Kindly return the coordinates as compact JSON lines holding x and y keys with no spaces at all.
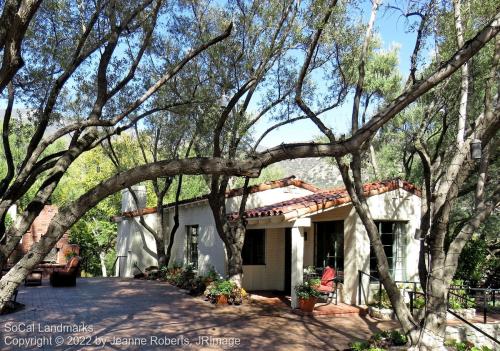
{"x":297,"y":261}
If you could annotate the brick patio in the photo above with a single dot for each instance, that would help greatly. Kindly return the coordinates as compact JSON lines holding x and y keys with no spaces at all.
{"x":152,"y":311}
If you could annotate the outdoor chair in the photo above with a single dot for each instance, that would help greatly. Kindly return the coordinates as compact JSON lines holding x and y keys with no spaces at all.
{"x":67,"y":275}
{"x":34,"y":278}
{"x":328,"y":287}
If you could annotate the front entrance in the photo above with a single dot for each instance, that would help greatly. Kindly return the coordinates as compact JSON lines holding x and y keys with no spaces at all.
{"x":330,"y":244}
{"x":288,"y":261}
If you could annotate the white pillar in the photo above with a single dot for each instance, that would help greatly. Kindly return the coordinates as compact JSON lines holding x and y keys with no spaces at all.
{"x":297,"y":261}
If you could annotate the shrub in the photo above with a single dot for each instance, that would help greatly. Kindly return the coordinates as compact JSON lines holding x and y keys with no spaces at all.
{"x":398,"y":338}
{"x":360,"y":346}
{"x":381,"y":341}
{"x":465,"y":346}
{"x":212,"y":275}
{"x":307,"y":289}
{"x":384,"y":297}
{"x":222,"y":287}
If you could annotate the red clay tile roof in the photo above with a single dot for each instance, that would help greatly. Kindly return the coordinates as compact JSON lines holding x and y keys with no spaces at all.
{"x":273,"y":184}
{"x":324,"y":200}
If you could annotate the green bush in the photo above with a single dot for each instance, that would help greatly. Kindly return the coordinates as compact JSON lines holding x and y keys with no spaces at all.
{"x":385,"y":303}
{"x":465,"y":346}
{"x":419,"y":302}
{"x":307,"y":289}
{"x":222,"y":287}
{"x":456,"y":300}
{"x":360,"y":346}
{"x":381,"y":341}
{"x":398,"y":338}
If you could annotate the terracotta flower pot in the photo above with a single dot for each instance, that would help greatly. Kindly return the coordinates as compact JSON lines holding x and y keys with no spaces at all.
{"x":221,"y":300}
{"x":307,"y":305}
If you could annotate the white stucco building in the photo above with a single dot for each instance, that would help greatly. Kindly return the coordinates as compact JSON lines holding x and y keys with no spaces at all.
{"x":291,"y":225}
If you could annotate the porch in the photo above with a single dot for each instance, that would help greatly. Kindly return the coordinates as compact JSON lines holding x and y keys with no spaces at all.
{"x":277,"y":251}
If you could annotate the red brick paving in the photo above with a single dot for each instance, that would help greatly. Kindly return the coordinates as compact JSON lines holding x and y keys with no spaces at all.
{"x":145,"y":310}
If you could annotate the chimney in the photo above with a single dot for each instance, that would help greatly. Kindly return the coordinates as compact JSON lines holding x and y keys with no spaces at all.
{"x":128,"y":202}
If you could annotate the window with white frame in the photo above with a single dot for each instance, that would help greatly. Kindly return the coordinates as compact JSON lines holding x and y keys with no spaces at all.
{"x":394,"y":243}
{"x":192,"y":245}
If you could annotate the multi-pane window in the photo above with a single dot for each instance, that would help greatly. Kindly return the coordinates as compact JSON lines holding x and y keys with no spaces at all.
{"x":391,"y":236}
{"x":254,"y":252}
{"x":330,"y":244}
{"x":192,"y":245}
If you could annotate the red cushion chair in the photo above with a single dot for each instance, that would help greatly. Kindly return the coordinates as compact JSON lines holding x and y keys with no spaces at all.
{"x":67,"y":275}
{"x":328,"y":286}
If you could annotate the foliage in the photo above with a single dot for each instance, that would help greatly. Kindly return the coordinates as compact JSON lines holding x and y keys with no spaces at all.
{"x":381,"y":341}
{"x":185,"y":277}
{"x":459,"y":298}
{"x":465,"y":346}
{"x":360,"y":346}
{"x":308,"y":289}
{"x":222,"y":287}
{"x":225,"y":287}
{"x":382,"y":298}
{"x":419,"y":302}
{"x":8,"y":221}
{"x":478,"y":263}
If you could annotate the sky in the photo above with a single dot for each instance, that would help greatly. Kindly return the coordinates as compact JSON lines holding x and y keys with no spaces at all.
{"x":392,"y":29}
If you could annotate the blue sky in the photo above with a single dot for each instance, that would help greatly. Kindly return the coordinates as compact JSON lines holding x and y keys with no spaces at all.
{"x":392,"y":29}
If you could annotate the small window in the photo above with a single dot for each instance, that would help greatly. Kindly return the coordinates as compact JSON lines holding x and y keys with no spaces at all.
{"x":192,"y":245}
{"x":254,"y":247}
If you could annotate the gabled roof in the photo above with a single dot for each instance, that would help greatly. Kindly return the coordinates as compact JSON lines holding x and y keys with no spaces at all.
{"x":273,"y":184}
{"x":324,"y":200}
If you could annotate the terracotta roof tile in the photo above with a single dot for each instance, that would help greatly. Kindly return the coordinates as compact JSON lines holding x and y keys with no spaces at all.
{"x":273,"y":184}
{"x":325,"y":199}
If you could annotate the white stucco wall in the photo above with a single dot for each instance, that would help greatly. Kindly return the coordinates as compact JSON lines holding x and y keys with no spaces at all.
{"x":137,"y":244}
{"x":211,"y":252}
{"x":271,"y":275}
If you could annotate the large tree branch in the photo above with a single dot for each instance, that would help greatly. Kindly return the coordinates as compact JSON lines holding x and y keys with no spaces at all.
{"x":305,"y":68}
{"x":6,"y":143}
{"x":14,"y":23}
{"x":361,"y":67}
{"x":464,"y":85}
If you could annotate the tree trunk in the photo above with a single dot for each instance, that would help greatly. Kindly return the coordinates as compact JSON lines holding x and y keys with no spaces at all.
{"x":373,"y":161}
{"x":102,"y":258}
{"x":171,"y":238}
{"x":234,"y":259}
{"x":160,"y":253}
{"x":431,"y":335}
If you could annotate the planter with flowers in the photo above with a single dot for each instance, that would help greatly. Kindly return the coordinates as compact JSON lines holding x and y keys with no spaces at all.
{"x":224,"y":292}
{"x":307,"y":294}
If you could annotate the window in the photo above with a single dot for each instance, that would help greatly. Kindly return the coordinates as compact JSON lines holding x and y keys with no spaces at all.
{"x":192,"y":245}
{"x":330,"y":244}
{"x":391,"y":235}
{"x":254,"y":247}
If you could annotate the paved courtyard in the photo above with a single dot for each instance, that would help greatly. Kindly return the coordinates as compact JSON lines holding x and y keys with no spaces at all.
{"x":122,"y":314}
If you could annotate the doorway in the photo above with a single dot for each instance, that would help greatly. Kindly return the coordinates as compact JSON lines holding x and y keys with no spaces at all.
{"x":330,"y":244}
{"x":288,"y":261}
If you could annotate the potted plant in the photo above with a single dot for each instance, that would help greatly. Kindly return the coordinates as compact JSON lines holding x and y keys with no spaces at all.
{"x":307,"y":294}
{"x":220,"y":291}
{"x":237,"y":295}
